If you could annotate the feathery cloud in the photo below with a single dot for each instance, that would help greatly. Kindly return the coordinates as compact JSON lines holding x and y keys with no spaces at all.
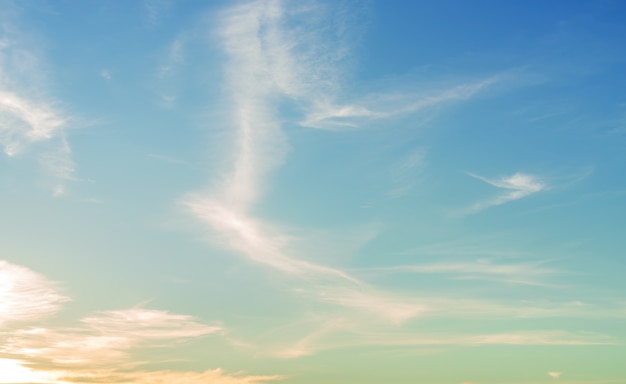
{"x":25,"y":295}
{"x":268,"y":60}
{"x":519,"y":185}
{"x":30,"y":121}
{"x":104,"y":338}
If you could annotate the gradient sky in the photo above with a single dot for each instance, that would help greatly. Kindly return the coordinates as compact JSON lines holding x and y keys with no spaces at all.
{"x":303,"y":192}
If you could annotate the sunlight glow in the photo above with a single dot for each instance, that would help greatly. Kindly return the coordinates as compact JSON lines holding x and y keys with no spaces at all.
{"x":14,"y":372}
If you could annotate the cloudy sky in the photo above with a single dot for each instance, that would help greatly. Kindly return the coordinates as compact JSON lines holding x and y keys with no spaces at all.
{"x":304,"y":192}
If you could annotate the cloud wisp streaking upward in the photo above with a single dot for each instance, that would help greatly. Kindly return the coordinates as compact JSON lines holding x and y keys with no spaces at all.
{"x":266,"y":63}
{"x":263,"y":66}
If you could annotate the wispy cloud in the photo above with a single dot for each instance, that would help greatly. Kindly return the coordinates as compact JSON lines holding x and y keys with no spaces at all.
{"x":156,"y":10}
{"x":97,"y":350}
{"x":519,"y":185}
{"x":16,"y":371}
{"x":268,"y":60}
{"x":105,"y":338}
{"x":174,"y":58}
{"x":406,"y":172}
{"x":554,"y":375}
{"x":29,"y":120}
{"x":530,"y":273}
{"x":215,"y":376}
{"x":26,"y":295}
{"x":326,"y":115}
{"x":337,"y":334}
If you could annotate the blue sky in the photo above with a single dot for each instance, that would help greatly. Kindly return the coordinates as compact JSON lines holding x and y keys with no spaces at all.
{"x":312,"y":192}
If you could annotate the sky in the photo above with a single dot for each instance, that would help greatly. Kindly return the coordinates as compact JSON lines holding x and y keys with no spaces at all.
{"x":311,"y":191}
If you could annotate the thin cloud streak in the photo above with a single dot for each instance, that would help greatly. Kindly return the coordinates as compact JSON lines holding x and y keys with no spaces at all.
{"x":386,"y":105}
{"x":520,"y":185}
{"x":328,"y":337}
{"x":528,"y":273}
{"x":213,"y":376}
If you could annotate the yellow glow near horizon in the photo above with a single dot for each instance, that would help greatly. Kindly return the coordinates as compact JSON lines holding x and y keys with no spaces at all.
{"x":14,"y":372}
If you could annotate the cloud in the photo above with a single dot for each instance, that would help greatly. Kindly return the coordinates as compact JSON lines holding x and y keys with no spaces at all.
{"x":97,"y":350}
{"x":275,"y":53}
{"x":30,"y":121}
{"x":326,"y":115}
{"x":174,"y":58}
{"x":19,"y":372}
{"x":344,"y":333}
{"x":265,"y":60}
{"x":24,"y":122}
{"x":105,"y":338}
{"x":26,"y":296}
{"x":519,"y":185}
{"x":554,"y":375}
{"x":528,"y":273}
{"x":215,"y":376}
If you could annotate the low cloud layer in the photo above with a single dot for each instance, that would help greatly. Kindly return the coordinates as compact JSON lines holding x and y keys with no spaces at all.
{"x":36,"y":352}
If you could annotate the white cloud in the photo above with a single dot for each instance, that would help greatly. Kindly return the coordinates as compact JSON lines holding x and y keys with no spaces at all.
{"x":24,"y":122}
{"x":29,"y":120}
{"x":267,"y":61}
{"x":326,"y":115}
{"x":519,"y":185}
{"x":99,"y":349}
{"x":105,"y":338}
{"x":26,"y":295}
